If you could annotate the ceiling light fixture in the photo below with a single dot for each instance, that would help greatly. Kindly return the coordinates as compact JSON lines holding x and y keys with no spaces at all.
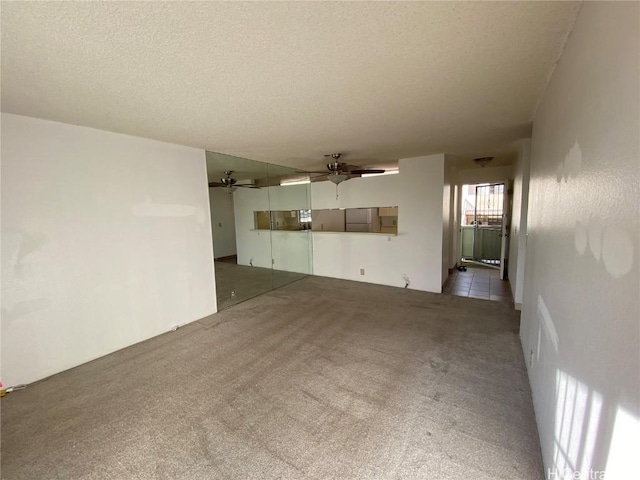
{"x":340,"y":171}
{"x":483,"y":161}
{"x":337,"y":178}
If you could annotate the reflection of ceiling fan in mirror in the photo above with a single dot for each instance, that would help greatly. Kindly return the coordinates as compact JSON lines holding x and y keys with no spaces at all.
{"x":231,"y":184}
{"x":340,"y":171}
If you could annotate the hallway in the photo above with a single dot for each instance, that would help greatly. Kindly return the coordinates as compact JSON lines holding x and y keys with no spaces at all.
{"x":478,"y":282}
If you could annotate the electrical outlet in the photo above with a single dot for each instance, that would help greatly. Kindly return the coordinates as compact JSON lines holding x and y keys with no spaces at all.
{"x":362,"y":271}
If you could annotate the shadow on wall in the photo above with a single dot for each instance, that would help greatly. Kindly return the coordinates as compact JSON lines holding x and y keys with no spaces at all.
{"x":586,"y":421}
{"x":580,"y":423}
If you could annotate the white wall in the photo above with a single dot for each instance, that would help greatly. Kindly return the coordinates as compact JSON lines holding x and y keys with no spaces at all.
{"x":291,"y":251}
{"x":288,"y":250}
{"x":289,"y":197}
{"x":417,"y":249}
{"x":454,"y":232}
{"x":447,"y":221}
{"x":223,"y":225}
{"x":106,"y":241}
{"x":518,"y":234}
{"x":253,"y":246}
{"x":581,"y":311}
{"x":470,"y":176}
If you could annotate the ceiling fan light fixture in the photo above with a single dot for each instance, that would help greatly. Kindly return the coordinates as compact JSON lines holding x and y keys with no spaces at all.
{"x":337,"y":178}
{"x":483,"y":161}
{"x":340,"y":171}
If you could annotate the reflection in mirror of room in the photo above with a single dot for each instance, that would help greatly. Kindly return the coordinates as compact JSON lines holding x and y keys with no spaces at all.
{"x":366,"y":220}
{"x":260,"y":262}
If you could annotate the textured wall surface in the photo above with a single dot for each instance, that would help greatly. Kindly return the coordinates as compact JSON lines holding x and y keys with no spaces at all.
{"x":106,"y":241}
{"x":581,"y":314}
{"x":518,"y":222}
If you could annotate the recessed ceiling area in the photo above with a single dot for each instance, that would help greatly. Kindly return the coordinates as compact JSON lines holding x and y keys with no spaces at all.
{"x":287,"y":82}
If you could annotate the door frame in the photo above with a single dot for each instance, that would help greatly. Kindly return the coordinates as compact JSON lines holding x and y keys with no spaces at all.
{"x":506,"y":219}
{"x":506,"y":231}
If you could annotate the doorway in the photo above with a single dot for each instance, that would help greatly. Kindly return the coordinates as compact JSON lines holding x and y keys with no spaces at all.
{"x":483,"y":226}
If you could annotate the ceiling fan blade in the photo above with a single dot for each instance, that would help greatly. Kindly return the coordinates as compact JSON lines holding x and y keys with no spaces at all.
{"x":216,"y":184}
{"x":366,"y":171}
{"x":247,"y":186}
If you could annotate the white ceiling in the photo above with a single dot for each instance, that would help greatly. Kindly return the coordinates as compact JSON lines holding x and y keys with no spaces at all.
{"x":288,"y":82}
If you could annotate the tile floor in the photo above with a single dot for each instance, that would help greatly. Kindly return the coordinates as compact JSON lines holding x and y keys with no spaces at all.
{"x":478,"y":282}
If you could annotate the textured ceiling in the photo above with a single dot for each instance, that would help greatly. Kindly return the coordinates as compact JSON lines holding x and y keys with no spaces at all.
{"x":288,"y":82}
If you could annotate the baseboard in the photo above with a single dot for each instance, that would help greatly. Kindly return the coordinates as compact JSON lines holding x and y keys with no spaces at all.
{"x":518,"y":306}
{"x":227,"y":259}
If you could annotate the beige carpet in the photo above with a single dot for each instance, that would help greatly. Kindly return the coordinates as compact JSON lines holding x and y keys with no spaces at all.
{"x":322,"y":378}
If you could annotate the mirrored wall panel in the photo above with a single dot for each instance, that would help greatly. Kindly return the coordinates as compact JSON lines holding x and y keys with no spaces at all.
{"x":251,"y":257}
